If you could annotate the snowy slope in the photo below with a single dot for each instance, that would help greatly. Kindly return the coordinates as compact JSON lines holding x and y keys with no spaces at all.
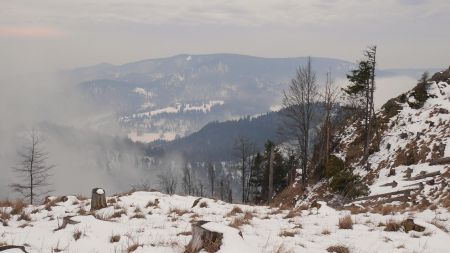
{"x":155,"y":222}
{"x":411,"y":135}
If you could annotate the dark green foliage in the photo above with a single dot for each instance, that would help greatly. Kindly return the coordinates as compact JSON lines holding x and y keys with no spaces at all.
{"x":342,"y":180}
{"x":334,"y":166}
{"x":420,"y":92}
{"x":392,"y":107}
{"x":348,"y":184}
{"x":359,"y":78}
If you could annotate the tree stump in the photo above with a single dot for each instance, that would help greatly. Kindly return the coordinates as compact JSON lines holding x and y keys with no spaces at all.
{"x":203,"y":239}
{"x":98,"y":200}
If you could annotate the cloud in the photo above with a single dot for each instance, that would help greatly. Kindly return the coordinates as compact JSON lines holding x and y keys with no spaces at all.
{"x":29,"y":32}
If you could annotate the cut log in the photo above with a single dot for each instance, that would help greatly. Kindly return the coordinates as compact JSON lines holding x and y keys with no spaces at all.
{"x":196,"y":202}
{"x":98,"y":200}
{"x":203,"y":239}
{"x":438,"y":161}
{"x":422,"y":176}
{"x":3,"y":248}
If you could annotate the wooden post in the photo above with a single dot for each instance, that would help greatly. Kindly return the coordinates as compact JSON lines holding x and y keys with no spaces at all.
{"x":98,"y":200}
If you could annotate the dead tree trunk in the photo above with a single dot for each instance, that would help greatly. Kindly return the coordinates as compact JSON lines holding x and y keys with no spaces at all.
{"x":203,"y":239}
{"x":98,"y":200}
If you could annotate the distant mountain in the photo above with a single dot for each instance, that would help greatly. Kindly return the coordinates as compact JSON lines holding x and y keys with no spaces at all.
{"x":172,"y":97}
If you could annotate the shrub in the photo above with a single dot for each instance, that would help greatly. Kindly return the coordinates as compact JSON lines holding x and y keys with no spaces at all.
{"x":77,"y":234}
{"x":24,"y":216}
{"x":235,"y":210}
{"x":348,"y":184}
{"x":346,"y":222}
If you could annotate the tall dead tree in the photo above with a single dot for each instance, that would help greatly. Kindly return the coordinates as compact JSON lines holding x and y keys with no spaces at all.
{"x":33,"y":169}
{"x":362,"y":87}
{"x":298,"y":102}
{"x":243,"y":150}
{"x":187,"y":181}
{"x":270,"y":194}
{"x":168,"y":182}
{"x":211,"y":178}
{"x":329,"y":99}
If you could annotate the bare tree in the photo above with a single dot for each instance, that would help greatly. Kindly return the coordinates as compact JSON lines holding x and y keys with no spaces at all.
{"x":187,"y":181}
{"x":299,"y":101}
{"x":330,"y":96}
{"x":211,"y":177}
{"x":33,"y":169}
{"x":243,"y":150}
{"x":168,"y":182}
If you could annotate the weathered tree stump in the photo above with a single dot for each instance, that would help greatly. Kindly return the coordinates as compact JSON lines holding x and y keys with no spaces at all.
{"x":203,"y":239}
{"x":98,"y":200}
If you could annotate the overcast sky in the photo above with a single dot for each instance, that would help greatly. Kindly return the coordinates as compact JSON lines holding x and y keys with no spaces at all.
{"x":48,"y":34}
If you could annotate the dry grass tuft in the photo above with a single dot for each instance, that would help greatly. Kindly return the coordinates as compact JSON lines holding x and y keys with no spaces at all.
{"x":203,"y":204}
{"x":234,"y":211}
{"x":346,"y":222}
{"x":338,"y":249}
{"x":292,"y":214}
{"x":439,"y":225}
{"x":6,"y":203}
{"x":119,"y":214}
{"x":248,"y":215}
{"x":138,"y":216}
{"x":24,"y":216}
{"x":151,"y":204}
{"x":132,"y":247}
{"x":287,"y":233}
{"x":326,"y":231}
{"x":17,"y":207}
{"x":178,"y":211}
{"x":114,"y":238}
{"x":77,"y":234}
{"x":392,"y":226}
{"x":82,"y":211}
{"x":238,"y":222}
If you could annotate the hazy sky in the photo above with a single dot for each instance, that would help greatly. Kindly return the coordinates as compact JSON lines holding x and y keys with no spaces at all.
{"x":48,"y":34}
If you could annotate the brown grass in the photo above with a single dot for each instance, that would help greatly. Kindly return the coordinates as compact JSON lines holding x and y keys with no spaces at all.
{"x":234,"y":211}
{"x":203,"y":204}
{"x":112,"y":201}
{"x":17,"y":207}
{"x":178,"y":211}
{"x":346,"y":222}
{"x":77,"y":234}
{"x":238,"y":222}
{"x":133,"y":247}
{"x":138,"y":216}
{"x":4,"y":215}
{"x":326,"y":231}
{"x":292,"y":214}
{"x":82,"y":211}
{"x":151,"y":204}
{"x":392,"y":226}
{"x":114,"y":238}
{"x":119,"y":214}
{"x":24,"y":216}
{"x":338,"y":249}
{"x":248,"y":215}
{"x":6,"y":203}
{"x":287,"y":233}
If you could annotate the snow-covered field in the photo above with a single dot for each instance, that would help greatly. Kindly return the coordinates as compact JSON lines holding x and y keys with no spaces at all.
{"x":155,"y":222}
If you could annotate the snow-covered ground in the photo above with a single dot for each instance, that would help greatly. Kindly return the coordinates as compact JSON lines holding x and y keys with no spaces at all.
{"x":155,"y":222}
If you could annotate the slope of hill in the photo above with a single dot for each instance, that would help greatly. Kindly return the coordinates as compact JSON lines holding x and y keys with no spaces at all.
{"x":408,"y":154}
{"x":155,"y":222}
